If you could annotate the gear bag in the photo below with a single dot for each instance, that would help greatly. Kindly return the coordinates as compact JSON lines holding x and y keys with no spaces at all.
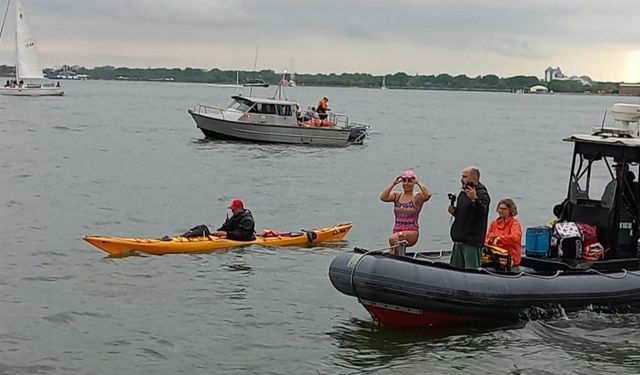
{"x":197,"y":231}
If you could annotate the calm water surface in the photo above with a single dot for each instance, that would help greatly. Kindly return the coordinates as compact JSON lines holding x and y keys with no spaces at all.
{"x":125,"y":159}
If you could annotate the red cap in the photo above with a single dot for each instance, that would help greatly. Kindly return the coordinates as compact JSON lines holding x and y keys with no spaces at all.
{"x":236,"y":203}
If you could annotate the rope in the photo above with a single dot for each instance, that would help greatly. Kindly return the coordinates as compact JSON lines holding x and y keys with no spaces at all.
{"x":501,"y":275}
{"x":624,"y":274}
{"x":522,"y":273}
{"x":353,"y":270}
{"x":558,"y":272}
{"x":5,"y":17}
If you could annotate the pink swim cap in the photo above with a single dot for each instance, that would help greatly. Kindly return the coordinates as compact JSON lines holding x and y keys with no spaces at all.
{"x":408,"y":174}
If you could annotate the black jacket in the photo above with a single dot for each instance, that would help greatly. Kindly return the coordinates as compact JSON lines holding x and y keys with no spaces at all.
{"x":240,"y":226}
{"x":470,"y":223}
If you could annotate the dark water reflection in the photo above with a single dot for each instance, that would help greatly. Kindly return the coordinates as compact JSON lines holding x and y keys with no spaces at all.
{"x":124,"y":158}
{"x":365,"y":345}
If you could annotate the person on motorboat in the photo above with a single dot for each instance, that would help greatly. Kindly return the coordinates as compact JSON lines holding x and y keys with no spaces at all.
{"x":240,"y":226}
{"x":505,"y":231}
{"x":406,"y":208}
{"x":323,"y":108}
{"x":609,"y":192}
{"x":469,"y":226}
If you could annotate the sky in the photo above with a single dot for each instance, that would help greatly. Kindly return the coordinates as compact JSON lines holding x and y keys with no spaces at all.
{"x":597,"y":38}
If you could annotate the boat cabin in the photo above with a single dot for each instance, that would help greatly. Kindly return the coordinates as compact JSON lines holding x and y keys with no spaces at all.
{"x":603,"y":184}
{"x":264,"y":111}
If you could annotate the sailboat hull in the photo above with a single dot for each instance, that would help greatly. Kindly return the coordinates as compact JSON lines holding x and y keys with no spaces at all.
{"x":31,"y":91}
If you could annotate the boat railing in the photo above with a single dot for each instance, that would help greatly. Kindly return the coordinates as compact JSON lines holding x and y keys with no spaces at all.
{"x":340,"y":119}
{"x":207,"y":109}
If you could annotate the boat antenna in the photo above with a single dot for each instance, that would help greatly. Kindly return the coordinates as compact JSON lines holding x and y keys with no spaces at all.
{"x":4,"y":18}
{"x":603,"y":118}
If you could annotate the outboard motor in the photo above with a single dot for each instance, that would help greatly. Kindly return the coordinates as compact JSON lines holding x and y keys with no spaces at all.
{"x":358,"y":134}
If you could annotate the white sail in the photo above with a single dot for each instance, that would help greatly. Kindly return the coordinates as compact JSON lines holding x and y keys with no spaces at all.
{"x":27,"y":62}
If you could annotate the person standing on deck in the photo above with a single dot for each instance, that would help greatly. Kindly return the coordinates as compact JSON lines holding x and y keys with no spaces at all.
{"x":323,"y":108}
{"x":470,"y":214}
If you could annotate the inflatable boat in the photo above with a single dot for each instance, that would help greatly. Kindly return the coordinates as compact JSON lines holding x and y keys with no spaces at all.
{"x":566,"y":271}
{"x":415,"y":291}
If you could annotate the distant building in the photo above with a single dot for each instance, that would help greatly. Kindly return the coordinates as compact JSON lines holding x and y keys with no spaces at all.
{"x":630,"y":89}
{"x":551,"y":74}
{"x":538,"y":89}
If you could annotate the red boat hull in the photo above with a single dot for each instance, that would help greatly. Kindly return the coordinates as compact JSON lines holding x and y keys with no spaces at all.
{"x":400,"y":317}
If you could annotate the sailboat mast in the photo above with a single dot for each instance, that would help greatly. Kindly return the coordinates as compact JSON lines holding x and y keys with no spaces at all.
{"x":18,"y":6}
{"x":255,"y":63}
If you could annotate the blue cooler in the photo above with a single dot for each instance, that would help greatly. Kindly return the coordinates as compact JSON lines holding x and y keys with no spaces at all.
{"x":537,"y":241}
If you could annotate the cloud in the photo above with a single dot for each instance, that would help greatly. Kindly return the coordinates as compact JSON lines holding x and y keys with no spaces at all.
{"x":525,"y":32}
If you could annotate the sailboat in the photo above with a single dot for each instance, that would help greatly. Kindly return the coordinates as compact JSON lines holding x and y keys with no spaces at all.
{"x":256,"y":81}
{"x":287,"y":80}
{"x":27,"y":63}
{"x":384,"y":86}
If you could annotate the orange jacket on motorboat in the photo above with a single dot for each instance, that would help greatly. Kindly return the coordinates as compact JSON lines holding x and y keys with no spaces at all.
{"x":506,"y":234}
{"x":323,"y":105}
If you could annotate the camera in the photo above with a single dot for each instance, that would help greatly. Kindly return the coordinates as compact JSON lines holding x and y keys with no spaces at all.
{"x":452,"y":198}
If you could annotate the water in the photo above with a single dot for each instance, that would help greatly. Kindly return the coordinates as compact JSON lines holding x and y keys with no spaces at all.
{"x":124,"y":158}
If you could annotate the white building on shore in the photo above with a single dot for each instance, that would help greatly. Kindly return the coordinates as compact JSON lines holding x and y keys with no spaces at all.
{"x":555,"y":74}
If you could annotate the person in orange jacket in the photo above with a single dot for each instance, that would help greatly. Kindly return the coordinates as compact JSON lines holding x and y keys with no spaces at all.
{"x":323,"y":107}
{"x":505,"y":231}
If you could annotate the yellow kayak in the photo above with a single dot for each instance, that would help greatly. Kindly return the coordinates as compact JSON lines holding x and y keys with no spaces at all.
{"x":121,"y":246}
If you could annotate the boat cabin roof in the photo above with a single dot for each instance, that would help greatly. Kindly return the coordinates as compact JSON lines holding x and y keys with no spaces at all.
{"x":246,"y":99}
{"x":603,"y":139}
{"x":598,"y":145}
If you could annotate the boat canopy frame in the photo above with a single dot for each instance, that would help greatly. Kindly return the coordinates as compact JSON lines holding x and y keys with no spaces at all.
{"x":617,"y":226}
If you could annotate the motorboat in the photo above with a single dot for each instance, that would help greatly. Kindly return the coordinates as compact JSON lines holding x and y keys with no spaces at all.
{"x":417,"y":290}
{"x":274,"y":120}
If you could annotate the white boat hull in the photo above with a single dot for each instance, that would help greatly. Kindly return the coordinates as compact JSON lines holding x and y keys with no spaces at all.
{"x":31,"y":91}
{"x":218,"y":128}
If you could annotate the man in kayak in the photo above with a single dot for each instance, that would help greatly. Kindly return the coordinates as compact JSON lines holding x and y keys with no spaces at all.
{"x":470,"y":220}
{"x":240,"y":226}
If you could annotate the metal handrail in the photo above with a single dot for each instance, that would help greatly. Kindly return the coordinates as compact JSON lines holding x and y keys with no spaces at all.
{"x":341,"y":119}
{"x":201,"y":108}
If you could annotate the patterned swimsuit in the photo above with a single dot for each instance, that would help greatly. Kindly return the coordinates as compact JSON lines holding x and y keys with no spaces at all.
{"x":406,"y":216}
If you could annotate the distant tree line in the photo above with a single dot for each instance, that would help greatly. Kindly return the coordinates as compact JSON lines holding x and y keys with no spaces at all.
{"x":399,"y":80}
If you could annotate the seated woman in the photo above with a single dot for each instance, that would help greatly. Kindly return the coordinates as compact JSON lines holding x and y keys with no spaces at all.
{"x":406,"y":207}
{"x":505,"y":231}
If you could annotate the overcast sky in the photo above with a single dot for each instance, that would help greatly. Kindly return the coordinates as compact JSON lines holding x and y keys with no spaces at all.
{"x":473,"y":37}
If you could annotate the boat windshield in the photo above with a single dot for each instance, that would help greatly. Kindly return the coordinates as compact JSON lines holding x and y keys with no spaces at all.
{"x":240,"y":105}
{"x":597,"y":179}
